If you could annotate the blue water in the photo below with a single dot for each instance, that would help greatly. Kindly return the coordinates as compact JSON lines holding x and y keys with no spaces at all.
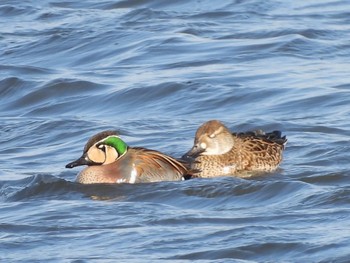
{"x":155,"y":70}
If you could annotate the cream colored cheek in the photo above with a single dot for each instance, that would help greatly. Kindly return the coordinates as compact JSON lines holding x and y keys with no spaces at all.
{"x":96,"y":155}
{"x":203,"y":145}
{"x":111,"y":155}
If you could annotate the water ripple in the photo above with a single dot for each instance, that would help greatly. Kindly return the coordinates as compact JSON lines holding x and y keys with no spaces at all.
{"x":155,"y":70}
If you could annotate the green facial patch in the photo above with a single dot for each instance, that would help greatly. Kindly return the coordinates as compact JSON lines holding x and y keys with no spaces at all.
{"x":118,"y":144}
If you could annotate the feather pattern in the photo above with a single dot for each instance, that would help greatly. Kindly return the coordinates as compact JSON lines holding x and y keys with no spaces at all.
{"x":109,"y":164}
{"x":235,"y":153}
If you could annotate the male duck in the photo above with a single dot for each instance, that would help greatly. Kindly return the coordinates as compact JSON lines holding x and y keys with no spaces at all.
{"x":110,"y":160}
{"x":218,"y":152}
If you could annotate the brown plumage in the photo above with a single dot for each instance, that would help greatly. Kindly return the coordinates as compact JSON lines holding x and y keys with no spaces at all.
{"x":218,"y":152}
{"x":110,"y":160}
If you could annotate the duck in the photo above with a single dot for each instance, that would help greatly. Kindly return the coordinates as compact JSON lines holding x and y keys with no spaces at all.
{"x":110,"y":160}
{"x":219,"y":152}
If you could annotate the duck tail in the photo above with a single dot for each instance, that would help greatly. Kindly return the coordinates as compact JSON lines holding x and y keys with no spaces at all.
{"x":276,"y":136}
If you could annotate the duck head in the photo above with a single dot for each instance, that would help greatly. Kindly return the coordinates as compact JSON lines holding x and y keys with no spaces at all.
{"x":103,"y":148}
{"x":212,"y":138}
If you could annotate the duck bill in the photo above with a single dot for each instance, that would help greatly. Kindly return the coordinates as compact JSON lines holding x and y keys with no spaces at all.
{"x":193,"y":153}
{"x":83,"y":160}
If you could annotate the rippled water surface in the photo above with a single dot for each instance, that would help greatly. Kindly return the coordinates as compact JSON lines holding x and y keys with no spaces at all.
{"x":155,"y":70}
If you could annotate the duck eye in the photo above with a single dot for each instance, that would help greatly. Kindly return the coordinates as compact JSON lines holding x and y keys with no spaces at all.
{"x":212,"y":135}
{"x":102,"y":147}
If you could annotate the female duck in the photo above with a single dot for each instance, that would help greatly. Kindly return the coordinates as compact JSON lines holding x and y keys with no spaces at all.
{"x":217,"y":151}
{"x":110,"y":160}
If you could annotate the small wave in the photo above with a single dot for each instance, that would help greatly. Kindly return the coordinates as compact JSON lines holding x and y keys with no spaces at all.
{"x":42,"y":100}
{"x":11,"y":10}
{"x":38,"y":186}
{"x":25,"y":70}
{"x":48,"y":187}
{"x":329,"y":197}
{"x":331,"y":179}
{"x":268,"y":251}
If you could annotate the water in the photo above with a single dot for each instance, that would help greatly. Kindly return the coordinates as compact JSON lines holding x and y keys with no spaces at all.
{"x":155,"y":70}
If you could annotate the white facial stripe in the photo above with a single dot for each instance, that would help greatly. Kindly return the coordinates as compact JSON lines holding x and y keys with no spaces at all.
{"x":107,"y":138}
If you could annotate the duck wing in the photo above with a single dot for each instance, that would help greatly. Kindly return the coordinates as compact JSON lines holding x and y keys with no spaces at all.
{"x":274,"y":136}
{"x":152,"y":165}
{"x":259,"y":150}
